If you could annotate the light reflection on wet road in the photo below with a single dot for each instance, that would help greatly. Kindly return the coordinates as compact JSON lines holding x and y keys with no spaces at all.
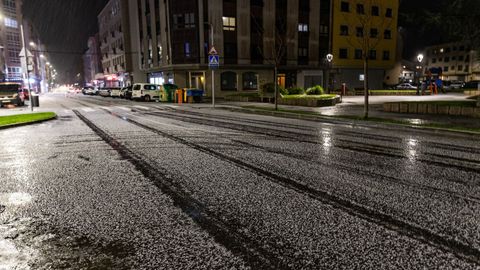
{"x":183,"y":188}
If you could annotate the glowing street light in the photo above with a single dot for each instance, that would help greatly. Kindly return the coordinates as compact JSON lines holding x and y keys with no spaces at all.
{"x":420,"y":58}
{"x":32,"y":44}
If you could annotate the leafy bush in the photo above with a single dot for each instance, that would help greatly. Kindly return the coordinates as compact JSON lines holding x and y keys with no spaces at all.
{"x":296,"y":91}
{"x":270,"y":88}
{"x":316,"y":90}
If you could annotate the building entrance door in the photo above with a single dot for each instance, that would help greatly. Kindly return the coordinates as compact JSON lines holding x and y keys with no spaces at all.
{"x":281,"y":80}
{"x":197,"y":80}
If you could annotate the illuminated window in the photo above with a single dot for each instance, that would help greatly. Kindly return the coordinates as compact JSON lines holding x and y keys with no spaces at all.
{"x":302,"y":27}
{"x":229,"y":23}
{"x":11,"y":23}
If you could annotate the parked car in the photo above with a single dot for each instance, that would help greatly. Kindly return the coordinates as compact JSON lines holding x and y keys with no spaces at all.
{"x":126,"y":92}
{"x":10,"y":94}
{"x":146,"y":91}
{"x":104,"y":92}
{"x":115,"y":92}
{"x":472,"y":85}
{"x":406,"y":86}
{"x":452,"y":85}
{"x":90,"y":90}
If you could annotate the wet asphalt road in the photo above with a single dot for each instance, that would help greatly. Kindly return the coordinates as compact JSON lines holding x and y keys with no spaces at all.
{"x":114,"y":184}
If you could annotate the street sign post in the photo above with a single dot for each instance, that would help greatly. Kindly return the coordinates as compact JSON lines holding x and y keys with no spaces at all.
{"x":213,"y":63}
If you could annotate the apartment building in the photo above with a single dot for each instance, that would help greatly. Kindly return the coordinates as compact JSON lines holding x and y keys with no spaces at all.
{"x":10,"y":38}
{"x":456,"y":60}
{"x":92,"y":64}
{"x":362,"y":28}
{"x":173,"y":38}
{"x":170,"y":41}
{"x":113,"y":23}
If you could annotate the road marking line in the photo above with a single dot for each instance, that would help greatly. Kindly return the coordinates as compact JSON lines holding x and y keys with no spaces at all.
{"x":86,"y":109}
{"x":141,"y":107}
{"x":123,"y":108}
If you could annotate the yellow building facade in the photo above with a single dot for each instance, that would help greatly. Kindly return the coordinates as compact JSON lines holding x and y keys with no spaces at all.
{"x":364,"y":28}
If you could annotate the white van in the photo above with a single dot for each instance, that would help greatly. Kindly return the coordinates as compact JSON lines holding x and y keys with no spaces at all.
{"x":146,"y":91}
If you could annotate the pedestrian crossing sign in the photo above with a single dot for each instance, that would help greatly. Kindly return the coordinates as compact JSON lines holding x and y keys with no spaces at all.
{"x":213,"y":51}
{"x":213,"y":61}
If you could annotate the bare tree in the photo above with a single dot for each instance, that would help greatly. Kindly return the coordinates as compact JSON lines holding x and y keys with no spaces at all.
{"x":275,"y":55}
{"x":369,"y":24}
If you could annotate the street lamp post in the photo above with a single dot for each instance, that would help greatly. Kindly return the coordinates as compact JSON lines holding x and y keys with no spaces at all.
{"x":329,"y":58}
{"x":419,"y":59}
{"x":24,"y":41}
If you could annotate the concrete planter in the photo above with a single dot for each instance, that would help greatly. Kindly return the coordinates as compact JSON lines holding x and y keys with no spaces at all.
{"x":442,"y":110}
{"x":310,"y":102}
{"x":412,"y":107}
{"x":432,"y":109}
{"x":243,"y":99}
{"x":416,"y":108}
{"x":455,"y":110}
{"x":387,"y":107}
{"x":422,"y":108}
{"x":403,"y":107}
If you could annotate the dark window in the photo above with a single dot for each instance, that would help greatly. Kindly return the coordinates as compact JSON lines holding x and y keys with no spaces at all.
{"x":360,"y":9}
{"x":372,"y":55}
{"x":445,"y":69}
{"x":389,"y":12}
{"x":258,"y":3}
{"x":460,"y":68}
{"x":324,"y":30}
{"x":387,"y":34}
{"x":343,"y":30}
{"x":250,"y":81}
{"x":229,"y":81}
{"x":434,"y":60}
{"x":374,"y":33}
{"x":462,"y":48}
{"x":454,"y":48}
{"x":454,"y":58}
{"x":358,"y":54}
{"x":447,"y":50}
{"x":375,"y":11}
{"x":345,"y":7}
{"x":343,"y":53}
{"x":447,"y":59}
{"x":230,"y":52}
{"x":302,"y":52}
{"x":386,"y":55}
{"x":460,"y":58}
{"x":359,"y":31}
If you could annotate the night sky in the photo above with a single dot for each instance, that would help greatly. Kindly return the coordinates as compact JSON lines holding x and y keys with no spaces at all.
{"x":65,"y":25}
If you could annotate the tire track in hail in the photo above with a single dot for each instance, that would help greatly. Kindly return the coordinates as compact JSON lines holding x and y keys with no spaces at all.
{"x":236,"y":242}
{"x":413,"y":231}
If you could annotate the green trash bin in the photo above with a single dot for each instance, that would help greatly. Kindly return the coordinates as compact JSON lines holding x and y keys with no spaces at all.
{"x":169,"y":90}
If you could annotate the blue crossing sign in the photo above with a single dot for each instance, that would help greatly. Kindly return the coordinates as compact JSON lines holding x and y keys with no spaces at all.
{"x":213,"y":61}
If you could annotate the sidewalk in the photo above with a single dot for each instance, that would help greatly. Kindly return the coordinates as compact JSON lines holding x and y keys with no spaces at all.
{"x":353,"y":106}
{"x":46,"y":105}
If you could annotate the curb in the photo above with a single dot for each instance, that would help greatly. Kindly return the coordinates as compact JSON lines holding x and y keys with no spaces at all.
{"x":337,"y":120}
{"x":27,"y":123}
